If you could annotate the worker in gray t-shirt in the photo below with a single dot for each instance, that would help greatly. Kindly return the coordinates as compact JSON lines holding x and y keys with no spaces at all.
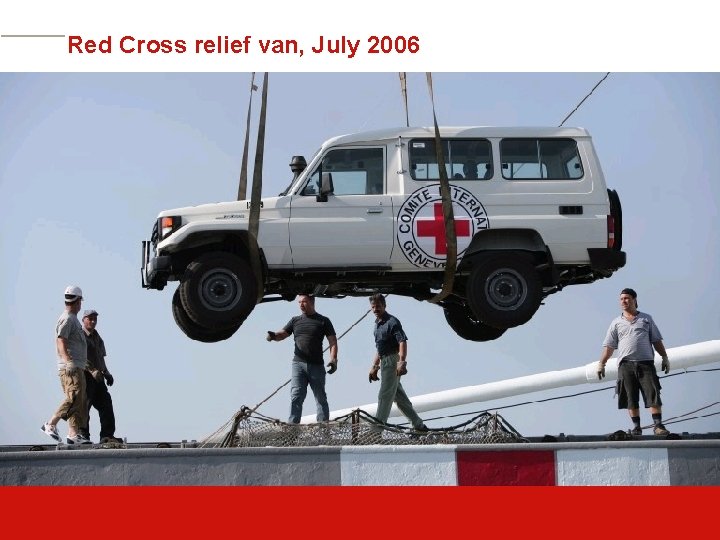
{"x":309,"y":329}
{"x":71,"y":349}
{"x":635,"y":335}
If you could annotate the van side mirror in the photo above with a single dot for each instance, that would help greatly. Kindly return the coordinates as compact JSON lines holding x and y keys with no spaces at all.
{"x":326,"y":187}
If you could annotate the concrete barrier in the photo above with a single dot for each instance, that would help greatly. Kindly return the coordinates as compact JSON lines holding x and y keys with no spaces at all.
{"x":617,"y":463}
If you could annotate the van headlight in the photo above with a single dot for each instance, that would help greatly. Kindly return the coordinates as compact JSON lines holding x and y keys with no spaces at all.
{"x":168,"y":225}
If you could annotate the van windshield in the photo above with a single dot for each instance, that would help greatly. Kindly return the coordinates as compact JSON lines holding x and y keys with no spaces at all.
{"x":355,"y":171}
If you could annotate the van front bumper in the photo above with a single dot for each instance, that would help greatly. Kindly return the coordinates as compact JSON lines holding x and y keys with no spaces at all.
{"x":155,"y":271}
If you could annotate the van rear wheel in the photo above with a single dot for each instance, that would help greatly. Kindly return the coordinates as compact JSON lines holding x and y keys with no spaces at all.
{"x":466,"y":325}
{"x":504,"y":291}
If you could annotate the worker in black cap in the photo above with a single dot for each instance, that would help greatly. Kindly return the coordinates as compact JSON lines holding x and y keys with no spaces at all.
{"x":634,"y":335}
{"x":96,"y":375}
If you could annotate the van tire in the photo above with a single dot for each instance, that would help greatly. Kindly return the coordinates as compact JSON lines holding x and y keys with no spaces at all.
{"x":504,"y":290}
{"x":193,"y":330}
{"x":466,"y":325}
{"x":218,"y":290}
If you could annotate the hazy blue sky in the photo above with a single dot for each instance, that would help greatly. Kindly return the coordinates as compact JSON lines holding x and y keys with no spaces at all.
{"x":88,"y":160}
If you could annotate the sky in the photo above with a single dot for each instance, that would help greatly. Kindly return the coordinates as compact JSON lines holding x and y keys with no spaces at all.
{"x":88,"y":160}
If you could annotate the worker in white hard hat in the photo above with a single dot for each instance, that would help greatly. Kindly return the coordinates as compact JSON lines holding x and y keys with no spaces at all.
{"x":72,"y":360}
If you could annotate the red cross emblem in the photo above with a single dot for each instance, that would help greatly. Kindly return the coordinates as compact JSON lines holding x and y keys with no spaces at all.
{"x":435,"y":227}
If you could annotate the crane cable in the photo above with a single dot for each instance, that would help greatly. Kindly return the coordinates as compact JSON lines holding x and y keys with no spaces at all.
{"x":448,"y":217}
{"x":256,"y":190}
{"x":242,"y":184}
{"x":583,"y":99}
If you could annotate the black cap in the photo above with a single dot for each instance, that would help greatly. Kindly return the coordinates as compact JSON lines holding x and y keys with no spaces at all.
{"x":631,"y":292}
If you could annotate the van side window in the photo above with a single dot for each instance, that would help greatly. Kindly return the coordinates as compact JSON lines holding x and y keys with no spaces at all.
{"x":551,"y":159}
{"x":465,"y":159}
{"x":355,"y":171}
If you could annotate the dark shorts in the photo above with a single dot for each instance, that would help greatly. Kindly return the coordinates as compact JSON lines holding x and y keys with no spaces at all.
{"x":635,"y":378}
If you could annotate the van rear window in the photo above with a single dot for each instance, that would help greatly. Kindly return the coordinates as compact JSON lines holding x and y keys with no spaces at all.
{"x":465,"y":159}
{"x":551,"y":159}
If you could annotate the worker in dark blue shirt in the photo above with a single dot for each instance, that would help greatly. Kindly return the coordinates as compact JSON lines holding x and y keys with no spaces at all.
{"x":391,"y":361}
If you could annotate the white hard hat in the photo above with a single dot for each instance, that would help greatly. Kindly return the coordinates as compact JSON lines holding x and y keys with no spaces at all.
{"x":72,"y":293}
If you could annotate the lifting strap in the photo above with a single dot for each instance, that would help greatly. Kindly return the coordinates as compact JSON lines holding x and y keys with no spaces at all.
{"x":448,"y":217}
{"x":403,"y":91}
{"x":242,"y":186}
{"x":255,"y":195}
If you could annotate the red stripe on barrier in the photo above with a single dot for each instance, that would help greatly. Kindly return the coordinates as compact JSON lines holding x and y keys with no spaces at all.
{"x":506,"y":468}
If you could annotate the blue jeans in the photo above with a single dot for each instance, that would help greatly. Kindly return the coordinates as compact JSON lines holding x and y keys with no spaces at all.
{"x":392,"y":391}
{"x":303,"y":374}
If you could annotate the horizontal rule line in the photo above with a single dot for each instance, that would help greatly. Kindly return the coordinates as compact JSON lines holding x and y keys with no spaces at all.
{"x":32,"y":35}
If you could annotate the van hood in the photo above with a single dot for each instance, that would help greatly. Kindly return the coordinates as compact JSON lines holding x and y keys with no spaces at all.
{"x":229,"y":209}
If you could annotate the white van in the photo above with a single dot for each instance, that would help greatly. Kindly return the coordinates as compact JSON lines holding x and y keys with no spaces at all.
{"x":532,"y":215}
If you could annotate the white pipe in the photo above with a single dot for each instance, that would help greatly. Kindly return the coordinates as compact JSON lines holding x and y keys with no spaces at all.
{"x":683,"y":357}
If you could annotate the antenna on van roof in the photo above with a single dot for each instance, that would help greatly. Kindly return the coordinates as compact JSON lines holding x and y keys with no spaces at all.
{"x":403,"y":91}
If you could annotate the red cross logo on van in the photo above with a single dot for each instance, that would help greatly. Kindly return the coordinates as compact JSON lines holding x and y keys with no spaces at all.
{"x":435,"y":227}
{"x":421,"y":227}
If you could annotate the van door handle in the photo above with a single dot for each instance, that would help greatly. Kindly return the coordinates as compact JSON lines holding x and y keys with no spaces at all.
{"x":374,"y":210}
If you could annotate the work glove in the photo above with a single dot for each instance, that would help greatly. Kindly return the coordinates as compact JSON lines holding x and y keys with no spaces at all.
{"x":601,"y":371}
{"x":97,"y":375}
{"x":270,"y":336}
{"x":665,"y":366}
{"x":373,"y":376}
{"x":333,"y":366}
{"x":401,"y":368}
{"x":109,"y":379}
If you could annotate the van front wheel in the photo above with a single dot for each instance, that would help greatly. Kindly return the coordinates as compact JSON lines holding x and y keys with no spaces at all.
{"x":504,"y":291}
{"x":193,"y":330}
{"x":218,"y":290}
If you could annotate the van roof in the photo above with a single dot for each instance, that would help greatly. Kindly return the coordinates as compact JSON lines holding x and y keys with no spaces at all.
{"x":456,"y":131}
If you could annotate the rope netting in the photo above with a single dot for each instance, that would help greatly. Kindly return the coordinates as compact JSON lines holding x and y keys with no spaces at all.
{"x":249,"y":428}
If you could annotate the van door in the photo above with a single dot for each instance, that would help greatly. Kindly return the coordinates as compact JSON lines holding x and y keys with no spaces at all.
{"x":353,"y":227}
